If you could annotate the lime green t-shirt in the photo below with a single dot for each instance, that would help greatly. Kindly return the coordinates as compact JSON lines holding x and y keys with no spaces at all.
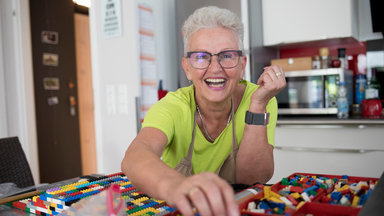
{"x":174,"y":116}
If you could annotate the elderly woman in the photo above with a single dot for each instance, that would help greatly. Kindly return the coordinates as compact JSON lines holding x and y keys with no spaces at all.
{"x":219,"y":130}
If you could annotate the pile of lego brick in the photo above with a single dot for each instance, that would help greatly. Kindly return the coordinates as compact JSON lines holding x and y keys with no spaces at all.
{"x":56,"y":200}
{"x":304,"y":193}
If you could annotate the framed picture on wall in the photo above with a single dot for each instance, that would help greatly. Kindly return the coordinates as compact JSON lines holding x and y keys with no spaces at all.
{"x":50,"y":59}
{"x":53,"y":100}
{"x":51,"y":83}
{"x":50,"y":37}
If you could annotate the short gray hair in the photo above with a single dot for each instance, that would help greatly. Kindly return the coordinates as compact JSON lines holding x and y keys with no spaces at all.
{"x":212,"y":17}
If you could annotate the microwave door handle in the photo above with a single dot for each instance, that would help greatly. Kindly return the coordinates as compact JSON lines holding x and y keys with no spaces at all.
{"x":312,"y":149}
{"x":323,"y":90}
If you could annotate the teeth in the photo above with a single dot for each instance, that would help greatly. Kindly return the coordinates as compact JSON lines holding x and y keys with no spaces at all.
{"x":215,"y":80}
{"x":216,"y":84}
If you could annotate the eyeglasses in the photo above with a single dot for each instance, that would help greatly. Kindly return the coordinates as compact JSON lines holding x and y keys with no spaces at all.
{"x":227,"y":59}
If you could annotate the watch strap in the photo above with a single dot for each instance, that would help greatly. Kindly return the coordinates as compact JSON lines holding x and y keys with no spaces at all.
{"x":256,"y":118}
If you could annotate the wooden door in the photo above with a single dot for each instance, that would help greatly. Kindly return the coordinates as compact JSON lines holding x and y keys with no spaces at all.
{"x":54,"y":71}
{"x":85,"y":94}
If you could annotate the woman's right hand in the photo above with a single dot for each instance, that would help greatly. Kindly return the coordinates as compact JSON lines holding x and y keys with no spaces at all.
{"x":270,"y":82}
{"x":206,"y":192}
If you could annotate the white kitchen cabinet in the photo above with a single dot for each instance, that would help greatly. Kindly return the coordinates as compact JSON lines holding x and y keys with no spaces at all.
{"x":365,"y":22}
{"x":355,"y":150}
{"x":293,"y":21}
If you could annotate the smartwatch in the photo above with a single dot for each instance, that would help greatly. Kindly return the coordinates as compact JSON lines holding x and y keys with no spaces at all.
{"x":256,"y":118}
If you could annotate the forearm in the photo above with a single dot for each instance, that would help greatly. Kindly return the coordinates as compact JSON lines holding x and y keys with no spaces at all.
{"x":255,"y":156}
{"x":254,"y":161}
{"x":148,"y":173}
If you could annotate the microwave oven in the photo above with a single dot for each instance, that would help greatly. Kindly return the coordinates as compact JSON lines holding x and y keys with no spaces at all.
{"x":313,"y":91}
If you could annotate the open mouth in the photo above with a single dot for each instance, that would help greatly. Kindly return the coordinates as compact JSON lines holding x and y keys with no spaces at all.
{"x":215,"y":82}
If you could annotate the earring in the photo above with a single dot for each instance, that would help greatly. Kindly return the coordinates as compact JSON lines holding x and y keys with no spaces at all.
{"x":190,"y":82}
{"x":241,"y":80}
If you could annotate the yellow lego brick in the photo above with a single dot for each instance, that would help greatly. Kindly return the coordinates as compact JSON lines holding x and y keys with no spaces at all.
{"x":274,"y":194}
{"x":295,"y":195}
{"x":151,"y":209}
{"x":355,"y":201}
{"x":125,"y":183}
{"x":137,"y":201}
{"x":274,"y":199}
{"x":159,"y":201}
{"x":299,"y":205}
{"x":142,"y":212}
{"x":267,"y":192}
{"x":345,"y":187}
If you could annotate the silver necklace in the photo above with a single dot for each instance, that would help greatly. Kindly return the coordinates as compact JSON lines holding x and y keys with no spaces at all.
{"x":202,"y":122}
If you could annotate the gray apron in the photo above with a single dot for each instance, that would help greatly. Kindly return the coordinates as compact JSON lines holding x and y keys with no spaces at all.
{"x":227,"y":170}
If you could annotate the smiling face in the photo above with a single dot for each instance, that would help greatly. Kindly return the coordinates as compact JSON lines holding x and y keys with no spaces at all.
{"x":214,"y":83}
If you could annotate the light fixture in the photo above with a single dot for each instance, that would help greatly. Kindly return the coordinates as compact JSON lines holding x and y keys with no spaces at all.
{"x":85,"y":3}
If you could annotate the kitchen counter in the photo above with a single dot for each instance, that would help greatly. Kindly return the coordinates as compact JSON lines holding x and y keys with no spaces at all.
{"x":328,"y":120}
{"x":328,"y":145}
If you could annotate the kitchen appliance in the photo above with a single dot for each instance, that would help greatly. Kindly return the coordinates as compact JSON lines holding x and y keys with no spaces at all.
{"x":380,"y":81}
{"x":314,"y":91}
{"x":372,"y":108}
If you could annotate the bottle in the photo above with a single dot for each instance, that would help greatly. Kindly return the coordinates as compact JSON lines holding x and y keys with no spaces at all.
{"x":342,"y":57}
{"x":360,"y":86}
{"x":373,"y":87}
{"x":316,"y":62}
{"x":324,"y":57}
{"x":342,"y":102}
{"x":161,"y":92}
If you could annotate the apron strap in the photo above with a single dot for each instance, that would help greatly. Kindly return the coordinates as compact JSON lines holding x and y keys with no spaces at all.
{"x":190,"y":150}
{"x":234,"y":140}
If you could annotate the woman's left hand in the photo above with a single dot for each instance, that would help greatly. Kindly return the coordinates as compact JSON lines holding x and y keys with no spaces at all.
{"x":271,"y":82}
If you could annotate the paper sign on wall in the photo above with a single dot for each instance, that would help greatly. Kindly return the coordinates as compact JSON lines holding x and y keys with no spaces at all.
{"x":149,"y":79}
{"x":111,"y":18}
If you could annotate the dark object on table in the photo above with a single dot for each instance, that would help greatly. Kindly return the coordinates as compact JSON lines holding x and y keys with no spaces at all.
{"x":14,"y":166}
{"x":374,"y":205}
{"x":239,"y":187}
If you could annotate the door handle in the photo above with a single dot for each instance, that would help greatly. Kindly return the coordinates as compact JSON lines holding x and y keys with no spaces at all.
{"x":312,"y":149}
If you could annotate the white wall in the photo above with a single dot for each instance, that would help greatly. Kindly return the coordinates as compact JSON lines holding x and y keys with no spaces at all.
{"x":3,"y":111}
{"x":115,"y":64}
{"x":16,"y":79}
